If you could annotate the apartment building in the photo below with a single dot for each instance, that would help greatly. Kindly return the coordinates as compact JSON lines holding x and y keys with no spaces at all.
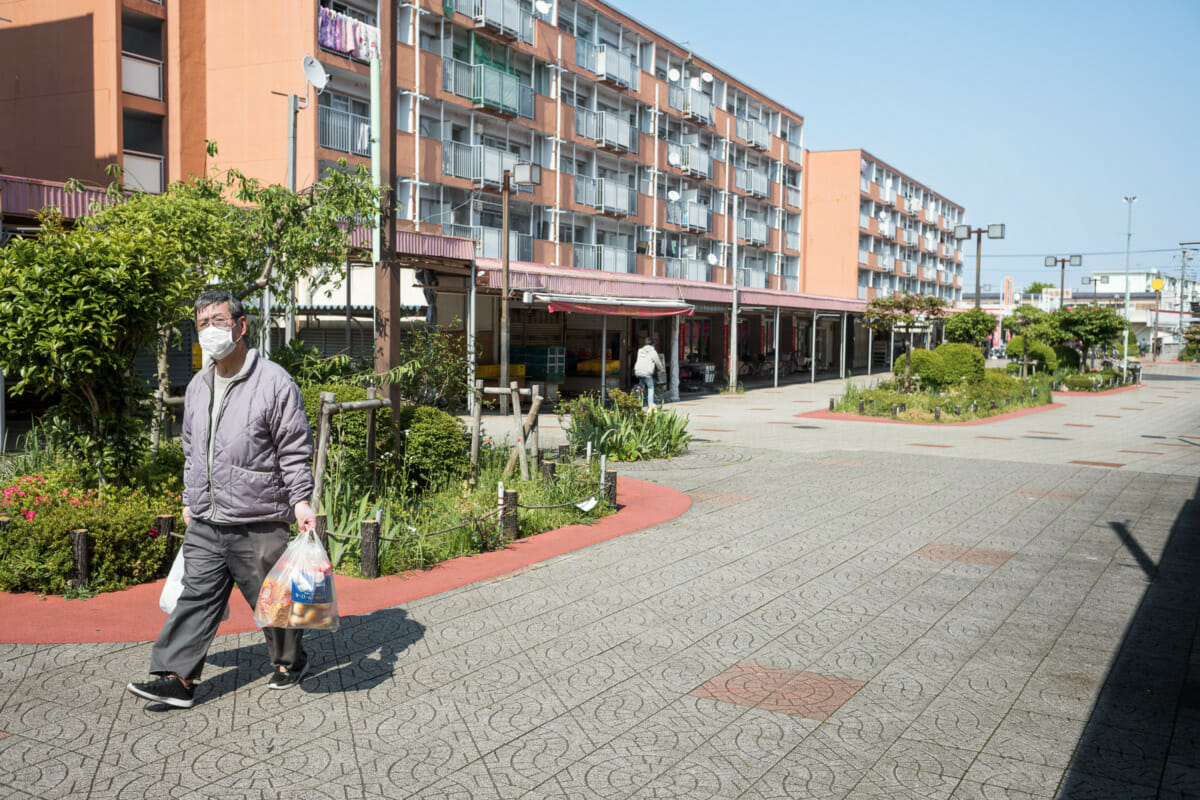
{"x":659,"y":170}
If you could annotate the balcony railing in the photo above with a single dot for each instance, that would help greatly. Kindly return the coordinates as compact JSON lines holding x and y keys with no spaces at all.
{"x":482,"y":164}
{"x":753,"y":181}
{"x":603,"y":257}
{"x":607,"y":62}
{"x":791,"y":240}
{"x":752,"y":230}
{"x":688,"y":269}
{"x":141,"y":76}
{"x":864,"y":221}
{"x":791,"y":283}
{"x":689,"y":214}
{"x":488,"y":87}
{"x":690,"y":158}
{"x":754,"y":278}
{"x":344,"y":131}
{"x":607,"y":128}
{"x":755,"y":132}
{"x":864,"y":257}
{"x":607,"y":195}
{"x":864,"y":183}
{"x":143,"y":172}
{"x":793,"y":197}
{"x":490,"y":241}
{"x":692,"y":102}
{"x":503,"y":16}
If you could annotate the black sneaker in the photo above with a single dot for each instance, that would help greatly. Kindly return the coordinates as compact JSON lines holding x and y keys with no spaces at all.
{"x":281,"y":679}
{"x":167,"y":689}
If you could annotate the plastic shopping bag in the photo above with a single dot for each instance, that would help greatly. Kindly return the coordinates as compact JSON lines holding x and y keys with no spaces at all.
{"x":174,"y":587}
{"x":298,"y":591}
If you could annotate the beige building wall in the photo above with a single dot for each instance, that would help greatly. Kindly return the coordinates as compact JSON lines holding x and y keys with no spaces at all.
{"x":831,"y":201}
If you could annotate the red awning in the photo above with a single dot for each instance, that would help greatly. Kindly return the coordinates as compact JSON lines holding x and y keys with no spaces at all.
{"x":616,"y":307}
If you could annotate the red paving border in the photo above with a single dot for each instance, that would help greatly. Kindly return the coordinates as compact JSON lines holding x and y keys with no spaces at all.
{"x":133,"y":615}
{"x":1099,"y":394}
{"x":855,"y":417}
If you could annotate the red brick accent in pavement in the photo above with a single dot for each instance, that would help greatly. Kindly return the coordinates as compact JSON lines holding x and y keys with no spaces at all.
{"x":1077,"y":425}
{"x":1141,"y":452}
{"x":1097,"y":394}
{"x":786,"y":691}
{"x":969,"y":555}
{"x":1096,"y":463}
{"x":919,"y":444}
{"x":855,"y":417}
{"x":1038,"y":494}
{"x":848,"y":462}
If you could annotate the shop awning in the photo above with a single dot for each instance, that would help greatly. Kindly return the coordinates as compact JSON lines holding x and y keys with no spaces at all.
{"x":615,"y":306}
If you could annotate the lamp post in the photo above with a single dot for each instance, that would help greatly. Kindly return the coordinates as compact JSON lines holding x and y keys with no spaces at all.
{"x":522,"y":174}
{"x":1129,"y":200}
{"x":1183,"y":258}
{"x":1074,"y":261}
{"x":993,"y":231}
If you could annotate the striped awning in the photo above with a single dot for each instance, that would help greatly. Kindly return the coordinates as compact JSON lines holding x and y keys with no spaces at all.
{"x":615,"y":306}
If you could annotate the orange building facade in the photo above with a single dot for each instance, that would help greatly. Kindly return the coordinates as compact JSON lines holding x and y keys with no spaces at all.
{"x":643,"y":148}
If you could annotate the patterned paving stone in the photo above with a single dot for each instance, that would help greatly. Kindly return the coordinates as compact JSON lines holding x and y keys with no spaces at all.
{"x":1038,"y":494}
{"x":720,"y":498}
{"x":970,"y":555}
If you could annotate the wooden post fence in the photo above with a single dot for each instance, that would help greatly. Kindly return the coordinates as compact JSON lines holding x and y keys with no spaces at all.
{"x":369,"y":530}
{"x":81,"y":551}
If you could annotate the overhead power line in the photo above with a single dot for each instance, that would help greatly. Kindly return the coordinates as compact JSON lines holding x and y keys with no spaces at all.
{"x":1095,"y":253}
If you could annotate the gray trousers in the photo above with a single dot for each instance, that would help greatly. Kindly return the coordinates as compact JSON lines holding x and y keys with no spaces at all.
{"x":215,"y":556}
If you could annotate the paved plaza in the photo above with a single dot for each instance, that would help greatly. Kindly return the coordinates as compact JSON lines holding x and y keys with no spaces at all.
{"x":848,"y":610}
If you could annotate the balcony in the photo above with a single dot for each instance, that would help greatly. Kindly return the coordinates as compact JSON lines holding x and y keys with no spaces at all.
{"x":689,"y":214}
{"x":606,"y":128}
{"x":141,"y":76}
{"x":505,"y":18}
{"x":690,"y":158}
{"x":344,"y":131}
{"x":349,"y":37}
{"x":792,"y":196}
{"x":692,"y":102}
{"x":603,"y":257}
{"x":791,"y":283}
{"x":488,"y":87}
{"x":143,"y":172}
{"x":754,"y":132}
{"x":688,"y":269}
{"x":476,"y":162}
{"x":752,"y":181}
{"x":864,"y":258}
{"x":864,"y":184}
{"x":606,"y":195}
{"x":489,"y":242}
{"x":752,"y":230}
{"x":754,"y":278}
{"x":791,"y":240}
{"x":608,"y":63}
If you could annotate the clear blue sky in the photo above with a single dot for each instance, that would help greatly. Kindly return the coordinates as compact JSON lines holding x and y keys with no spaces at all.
{"x":1040,"y":115}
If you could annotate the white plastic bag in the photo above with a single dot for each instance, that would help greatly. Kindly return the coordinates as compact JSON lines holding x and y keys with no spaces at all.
{"x":298,"y":591}
{"x":174,"y":587}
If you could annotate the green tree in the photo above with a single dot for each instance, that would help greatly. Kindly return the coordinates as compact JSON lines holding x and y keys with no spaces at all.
{"x":1090,"y":326}
{"x":905,"y":313}
{"x":77,"y":306}
{"x":969,"y":327}
{"x":1033,"y":325}
{"x":1037,"y":287}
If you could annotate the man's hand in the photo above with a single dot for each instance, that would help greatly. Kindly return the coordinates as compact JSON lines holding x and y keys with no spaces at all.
{"x":306,"y":518}
{"x":187,"y":516}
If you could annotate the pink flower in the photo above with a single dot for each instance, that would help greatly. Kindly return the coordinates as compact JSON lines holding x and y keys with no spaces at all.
{"x":29,"y":515}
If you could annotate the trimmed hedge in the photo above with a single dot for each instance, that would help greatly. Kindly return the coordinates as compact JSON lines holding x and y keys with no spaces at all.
{"x":964,"y":362}
{"x":1039,"y":353}
{"x":926,"y":364}
{"x":1079,"y":383}
{"x":1068,"y":357}
{"x":433,"y":445}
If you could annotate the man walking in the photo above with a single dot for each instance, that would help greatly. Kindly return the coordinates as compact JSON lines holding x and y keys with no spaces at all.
{"x":247,"y":446}
{"x":644,"y":368}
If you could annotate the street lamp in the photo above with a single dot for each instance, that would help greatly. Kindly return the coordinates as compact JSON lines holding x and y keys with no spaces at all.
{"x":1074,"y":261}
{"x":1183,"y":257}
{"x":522,"y":174}
{"x":993,"y":231}
{"x":1128,"y":200}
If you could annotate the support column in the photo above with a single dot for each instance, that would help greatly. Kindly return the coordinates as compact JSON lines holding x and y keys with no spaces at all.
{"x":842,"y":358}
{"x":812,"y":362}
{"x":673,"y":386}
{"x":870,"y":348}
{"x":776,"y":346}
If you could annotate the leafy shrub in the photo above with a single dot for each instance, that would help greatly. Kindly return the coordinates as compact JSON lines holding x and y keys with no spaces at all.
{"x":1079,"y":383}
{"x":625,"y":432}
{"x":307,"y":366}
{"x":162,"y":470}
{"x":35,"y":551}
{"x":926,"y":364}
{"x":433,"y":445}
{"x":1040,"y":354}
{"x":1067,"y":357}
{"x":964,"y":362}
{"x":349,"y":429}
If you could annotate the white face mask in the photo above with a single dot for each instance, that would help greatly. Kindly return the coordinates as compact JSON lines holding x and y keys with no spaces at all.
{"x":217,"y":342}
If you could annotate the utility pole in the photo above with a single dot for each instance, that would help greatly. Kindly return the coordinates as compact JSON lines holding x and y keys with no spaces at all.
{"x":1183,"y":281}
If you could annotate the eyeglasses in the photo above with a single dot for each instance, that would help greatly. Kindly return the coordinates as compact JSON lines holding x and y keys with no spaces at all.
{"x":219,"y":321}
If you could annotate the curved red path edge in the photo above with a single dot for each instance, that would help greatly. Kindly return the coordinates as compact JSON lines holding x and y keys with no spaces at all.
{"x":1098,"y":394}
{"x":133,"y":615}
{"x":1018,"y":413}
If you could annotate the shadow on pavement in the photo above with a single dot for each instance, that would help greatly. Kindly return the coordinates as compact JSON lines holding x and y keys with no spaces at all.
{"x":1142,"y":739}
